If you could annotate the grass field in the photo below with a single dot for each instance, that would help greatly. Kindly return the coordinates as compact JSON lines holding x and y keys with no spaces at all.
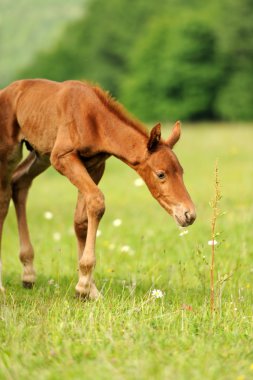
{"x":46,"y":333}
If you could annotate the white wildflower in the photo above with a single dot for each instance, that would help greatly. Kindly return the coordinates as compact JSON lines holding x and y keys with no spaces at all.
{"x":157,"y":293}
{"x":117,"y":222}
{"x":212,"y":242}
{"x":51,"y":281}
{"x":138,"y":182}
{"x":48,"y":215}
{"x":56,"y":236}
{"x":125,"y":248}
{"x":183,"y":232}
{"x":98,"y":233}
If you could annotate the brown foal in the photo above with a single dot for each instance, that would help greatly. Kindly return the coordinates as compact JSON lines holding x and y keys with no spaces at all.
{"x":75,"y":127}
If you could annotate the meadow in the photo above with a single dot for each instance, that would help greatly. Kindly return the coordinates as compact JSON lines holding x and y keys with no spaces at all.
{"x":46,"y":333}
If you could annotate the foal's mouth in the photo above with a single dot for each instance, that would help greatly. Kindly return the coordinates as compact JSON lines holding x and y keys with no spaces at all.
{"x":183,"y":222}
{"x":183,"y":216}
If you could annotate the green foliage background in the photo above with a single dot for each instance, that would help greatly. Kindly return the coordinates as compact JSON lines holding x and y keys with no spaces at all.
{"x":165,"y":59}
{"x":27,"y":27}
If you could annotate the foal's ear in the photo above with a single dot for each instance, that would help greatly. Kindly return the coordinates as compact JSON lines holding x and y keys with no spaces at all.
{"x":175,"y":135}
{"x":155,"y":136}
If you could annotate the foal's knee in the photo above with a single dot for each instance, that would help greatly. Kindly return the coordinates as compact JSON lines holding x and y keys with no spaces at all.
{"x":96,"y":205}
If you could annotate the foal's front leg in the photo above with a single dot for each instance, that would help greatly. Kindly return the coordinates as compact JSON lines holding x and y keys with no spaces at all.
{"x":91,"y":201}
{"x":85,"y":286}
{"x":81,"y":228}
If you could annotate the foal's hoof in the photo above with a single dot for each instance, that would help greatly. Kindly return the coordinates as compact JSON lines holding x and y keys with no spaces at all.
{"x":28,"y":278}
{"x":91,"y":294}
{"x":82,"y":297}
{"x":88,"y":297}
{"x":27,"y":285}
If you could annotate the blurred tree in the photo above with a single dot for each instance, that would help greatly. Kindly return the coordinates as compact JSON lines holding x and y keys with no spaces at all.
{"x":98,"y":46}
{"x":235,"y":30}
{"x":175,"y":71}
{"x":235,"y":100}
{"x":165,"y":59}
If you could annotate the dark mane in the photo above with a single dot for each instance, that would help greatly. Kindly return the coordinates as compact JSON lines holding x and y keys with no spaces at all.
{"x":117,"y":109}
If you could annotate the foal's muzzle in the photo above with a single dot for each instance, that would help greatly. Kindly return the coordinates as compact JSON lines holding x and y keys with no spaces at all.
{"x":184,"y":216}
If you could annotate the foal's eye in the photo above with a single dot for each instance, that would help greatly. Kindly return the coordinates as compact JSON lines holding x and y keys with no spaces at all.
{"x":161,"y":175}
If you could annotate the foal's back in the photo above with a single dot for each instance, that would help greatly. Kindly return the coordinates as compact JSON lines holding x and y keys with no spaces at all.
{"x":36,"y":108}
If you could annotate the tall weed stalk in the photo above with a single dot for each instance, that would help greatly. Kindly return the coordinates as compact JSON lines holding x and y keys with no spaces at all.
{"x":216,"y":212}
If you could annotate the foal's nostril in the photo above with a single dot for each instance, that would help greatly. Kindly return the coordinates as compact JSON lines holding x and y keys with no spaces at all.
{"x":187,"y":216}
{"x":190,"y":217}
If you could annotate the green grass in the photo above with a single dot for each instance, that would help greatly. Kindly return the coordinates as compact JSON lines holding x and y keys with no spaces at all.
{"x":46,"y":333}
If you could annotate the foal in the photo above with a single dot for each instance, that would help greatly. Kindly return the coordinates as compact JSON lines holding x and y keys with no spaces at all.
{"x":75,"y":127}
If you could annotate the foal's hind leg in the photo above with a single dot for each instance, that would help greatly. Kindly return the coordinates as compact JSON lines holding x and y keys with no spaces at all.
{"x":8,"y":161}
{"x":5,"y":196}
{"x":22,"y":179}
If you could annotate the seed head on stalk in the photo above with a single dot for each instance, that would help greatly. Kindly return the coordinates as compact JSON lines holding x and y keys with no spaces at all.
{"x":216,"y":213}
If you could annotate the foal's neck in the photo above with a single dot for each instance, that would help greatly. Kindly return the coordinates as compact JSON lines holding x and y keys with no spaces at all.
{"x":125,"y":140}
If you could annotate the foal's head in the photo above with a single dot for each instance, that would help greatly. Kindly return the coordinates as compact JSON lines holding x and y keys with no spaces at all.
{"x":163,"y":175}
